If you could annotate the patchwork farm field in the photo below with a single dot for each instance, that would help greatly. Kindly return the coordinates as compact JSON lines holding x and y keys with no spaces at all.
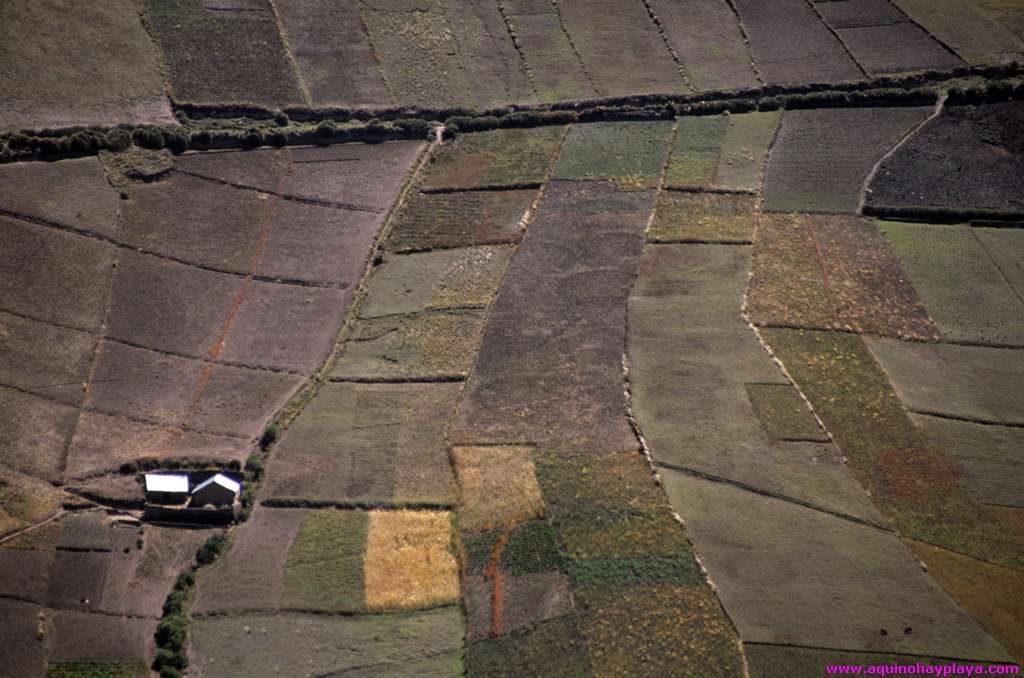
{"x":524,"y":338}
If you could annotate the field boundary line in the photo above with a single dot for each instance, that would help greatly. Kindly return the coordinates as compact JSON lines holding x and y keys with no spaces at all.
{"x":711,"y":478}
{"x":660,"y":26}
{"x":746,"y":41}
{"x":579,"y":58}
{"x":286,"y":196}
{"x":880,"y":653}
{"x":94,"y":358}
{"x":965,"y":418}
{"x":282,"y":33}
{"x":1002,"y":273}
{"x":838,"y":38}
{"x":507,"y":18}
{"x":866,"y":185}
{"x":114,"y":242}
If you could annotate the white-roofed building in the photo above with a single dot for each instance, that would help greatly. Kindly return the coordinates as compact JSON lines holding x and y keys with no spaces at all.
{"x":218,"y":490}
{"x":166,"y":488}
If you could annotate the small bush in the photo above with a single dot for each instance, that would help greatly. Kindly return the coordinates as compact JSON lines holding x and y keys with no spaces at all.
{"x":176,"y":140}
{"x":184,"y":581}
{"x":171,"y":659}
{"x":213,"y":547}
{"x":18,"y":141}
{"x":253,"y":138}
{"x":326,"y":129}
{"x":175,"y":603}
{"x":254,"y":465}
{"x":413,"y":126}
{"x":148,"y":137}
{"x":277,"y":138}
{"x":270,"y":436}
{"x":281,"y":118}
{"x":169,"y":672}
{"x":172,"y":632}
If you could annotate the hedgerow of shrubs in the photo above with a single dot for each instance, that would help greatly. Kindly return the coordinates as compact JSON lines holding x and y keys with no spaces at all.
{"x":172,"y":631}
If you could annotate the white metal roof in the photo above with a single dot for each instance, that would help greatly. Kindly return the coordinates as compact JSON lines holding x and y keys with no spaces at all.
{"x":166,"y":482}
{"x":221,"y":480}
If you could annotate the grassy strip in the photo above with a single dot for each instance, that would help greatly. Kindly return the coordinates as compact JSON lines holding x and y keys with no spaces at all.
{"x":918,"y":487}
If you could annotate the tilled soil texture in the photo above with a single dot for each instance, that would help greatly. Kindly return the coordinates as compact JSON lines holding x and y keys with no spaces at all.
{"x":67,"y":64}
{"x":791,"y":44}
{"x":976,"y":29}
{"x":497,"y":158}
{"x":558,"y":73}
{"x":883,"y":39}
{"x":549,"y":365}
{"x":446,"y":220}
{"x":93,"y":565}
{"x":719,"y":58}
{"x":640,"y":63}
{"x":84,"y":202}
{"x":917,"y":486}
{"x":189,"y":289}
{"x":335,"y":452}
{"x":250,"y":63}
{"x":970,"y":157}
{"x":968,"y":291}
{"x":332,"y":51}
{"x":832,"y":272}
{"x":821,"y":158}
{"x":412,"y":644}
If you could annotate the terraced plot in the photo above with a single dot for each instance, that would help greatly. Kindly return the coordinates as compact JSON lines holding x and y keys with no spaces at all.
{"x":335,"y":452}
{"x":790,"y":44}
{"x":69,"y":65}
{"x":640,"y":64}
{"x":721,"y":153}
{"x":965,"y":290}
{"x":333,"y":561}
{"x":503,"y":158}
{"x":886,"y":452}
{"x":414,"y":644}
{"x":418,"y":51}
{"x":720,"y":58}
{"x":980,"y":31}
{"x":251,"y":63}
{"x":93,"y":590}
{"x":813,"y":168}
{"x":556,"y":68}
{"x":163,"y":378}
{"x":833,"y":273}
{"x":553,"y":375}
{"x":629,"y":153}
{"x":883,"y":39}
{"x":687,"y":300}
{"x":965,"y":161}
{"x":333,"y":54}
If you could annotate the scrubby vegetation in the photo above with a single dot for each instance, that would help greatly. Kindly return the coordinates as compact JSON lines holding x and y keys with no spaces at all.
{"x":172,"y":632}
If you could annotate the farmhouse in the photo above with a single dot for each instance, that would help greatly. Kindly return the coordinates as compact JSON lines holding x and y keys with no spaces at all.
{"x":218,"y":490}
{"x":166,"y":488}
